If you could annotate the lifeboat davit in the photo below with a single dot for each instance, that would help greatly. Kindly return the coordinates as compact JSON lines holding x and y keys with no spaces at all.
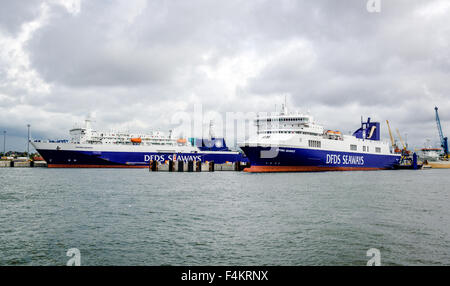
{"x":136,"y":140}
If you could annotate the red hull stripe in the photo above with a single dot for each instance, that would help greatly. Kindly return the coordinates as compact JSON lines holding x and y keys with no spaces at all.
{"x":94,"y":166}
{"x":262,"y":169}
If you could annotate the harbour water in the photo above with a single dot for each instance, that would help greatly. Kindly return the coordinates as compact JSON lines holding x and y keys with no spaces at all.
{"x":133,"y":217}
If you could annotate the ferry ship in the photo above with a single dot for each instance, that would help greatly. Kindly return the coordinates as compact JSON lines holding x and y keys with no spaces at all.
{"x":288,"y":141}
{"x":88,"y":148}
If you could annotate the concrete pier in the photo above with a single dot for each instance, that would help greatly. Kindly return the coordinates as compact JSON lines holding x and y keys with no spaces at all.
{"x":154,"y":166}
{"x":5,"y":164}
{"x":39,"y":164}
{"x":204,"y":167}
{"x":225,"y":167}
{"x":194,"y":166}
{"x":22,"y":164}
{"x":163,"y":167}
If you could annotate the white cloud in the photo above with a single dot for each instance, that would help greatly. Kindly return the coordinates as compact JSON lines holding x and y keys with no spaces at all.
{"x":432,"y":9}
{"x":72,"y":6}
{"x":15,"y":62}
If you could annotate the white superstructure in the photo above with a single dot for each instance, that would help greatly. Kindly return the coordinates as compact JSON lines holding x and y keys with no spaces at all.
{"x":298,"y":130}
{"x":87,"y":135}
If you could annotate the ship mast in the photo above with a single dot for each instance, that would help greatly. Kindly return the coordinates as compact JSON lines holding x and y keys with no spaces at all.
{"x":211,"y":129}
{"x":284,"y":110}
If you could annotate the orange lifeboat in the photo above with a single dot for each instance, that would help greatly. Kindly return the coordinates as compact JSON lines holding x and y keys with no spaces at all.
{"x":136,"y":140}
{"x":333,"y":132}
{"x":181,"y":140}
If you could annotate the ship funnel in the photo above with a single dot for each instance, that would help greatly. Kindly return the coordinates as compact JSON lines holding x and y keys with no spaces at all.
{"x":368,"y":130}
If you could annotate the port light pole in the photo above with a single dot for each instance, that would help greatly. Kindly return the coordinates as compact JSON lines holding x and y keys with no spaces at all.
{"x":28,"y":142}
{"x":4,"y":143}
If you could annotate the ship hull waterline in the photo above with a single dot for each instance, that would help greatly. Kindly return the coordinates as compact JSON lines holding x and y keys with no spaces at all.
{"x":313,"y":160}
{"x":89,"y":159}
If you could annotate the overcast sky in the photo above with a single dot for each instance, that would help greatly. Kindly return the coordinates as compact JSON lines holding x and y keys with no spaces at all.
{"x":133,"y":64}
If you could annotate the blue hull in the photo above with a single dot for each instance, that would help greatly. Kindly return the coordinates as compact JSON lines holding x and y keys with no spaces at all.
{"x":299,"y":159}
{"x":60,"y":158}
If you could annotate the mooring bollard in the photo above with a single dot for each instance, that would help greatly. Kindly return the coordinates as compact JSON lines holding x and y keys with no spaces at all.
{"x":237,"y":166}
{"x":198,"y":166}
{"x":211,"y":166}
{"x":170,"y":166}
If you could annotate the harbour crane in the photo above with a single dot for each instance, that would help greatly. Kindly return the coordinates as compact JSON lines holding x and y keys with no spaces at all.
{"x":401,"y":140}
{"x":403,"y":143}
{"x":394,"y":146}
{"x":444,"y":140}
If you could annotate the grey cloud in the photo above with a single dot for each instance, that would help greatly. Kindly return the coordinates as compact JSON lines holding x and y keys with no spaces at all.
{"x":371,"y":59}
{"x":131,"y":63}
{"x":95,"y":48}
{"x":15,"y":12}
{"x":78,"y":51}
